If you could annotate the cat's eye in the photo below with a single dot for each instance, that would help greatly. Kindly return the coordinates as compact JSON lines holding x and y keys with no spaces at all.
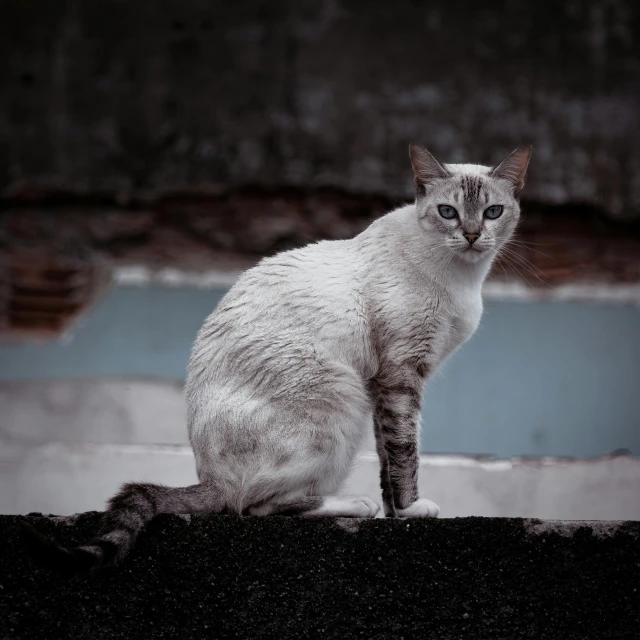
{"x":493,"y":212}
{"x":447,"y":212}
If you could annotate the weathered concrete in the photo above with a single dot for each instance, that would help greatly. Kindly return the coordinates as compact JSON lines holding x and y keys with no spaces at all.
{"x":227,"y":577}
{"x":131,"y":100}
{"x":85,"y":411}
{"x":67,"y":479}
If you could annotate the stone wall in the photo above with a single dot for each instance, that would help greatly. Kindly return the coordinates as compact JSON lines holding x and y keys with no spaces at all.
{"x":134,"y":100}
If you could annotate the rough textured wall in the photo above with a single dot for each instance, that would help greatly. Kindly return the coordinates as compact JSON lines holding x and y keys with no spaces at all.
{"x":133,"y":99}
{"x":279,"y":577}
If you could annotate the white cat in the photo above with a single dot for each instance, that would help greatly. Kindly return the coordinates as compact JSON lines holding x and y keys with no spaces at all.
{"x":313,"y":347}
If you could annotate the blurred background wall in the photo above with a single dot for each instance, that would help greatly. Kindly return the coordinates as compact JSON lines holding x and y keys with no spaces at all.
{"x":150,"y":151}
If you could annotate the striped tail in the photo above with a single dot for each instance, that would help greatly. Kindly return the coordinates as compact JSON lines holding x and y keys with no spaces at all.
{"x":127,"y":514}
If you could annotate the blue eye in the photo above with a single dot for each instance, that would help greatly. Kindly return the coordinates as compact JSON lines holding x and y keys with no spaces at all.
{"x":447,"y":212}
{"x":493,"y":212}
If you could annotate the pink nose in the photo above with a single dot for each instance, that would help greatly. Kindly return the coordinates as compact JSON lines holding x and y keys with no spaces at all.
{"x":471,"y":237}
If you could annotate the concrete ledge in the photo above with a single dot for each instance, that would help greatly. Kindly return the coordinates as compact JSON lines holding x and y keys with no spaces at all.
{"x":228,"y":577}
{"x":74,"y":477}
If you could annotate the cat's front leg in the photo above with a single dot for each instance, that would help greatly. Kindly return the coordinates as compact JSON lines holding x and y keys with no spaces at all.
{"x":385,"y":480}
{"x":396,"y":423}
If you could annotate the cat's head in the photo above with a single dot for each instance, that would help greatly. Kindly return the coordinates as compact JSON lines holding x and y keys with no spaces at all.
{"x":468,"y":209}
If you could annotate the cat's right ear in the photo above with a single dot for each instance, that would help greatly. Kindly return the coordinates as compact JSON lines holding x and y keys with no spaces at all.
{"x":426,"y":168}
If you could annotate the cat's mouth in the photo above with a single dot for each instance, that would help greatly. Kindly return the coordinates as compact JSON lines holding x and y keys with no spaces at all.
{"x":472,"y":252}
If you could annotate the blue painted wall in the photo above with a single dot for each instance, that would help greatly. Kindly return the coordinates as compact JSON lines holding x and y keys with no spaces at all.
{"x":536,"y":379}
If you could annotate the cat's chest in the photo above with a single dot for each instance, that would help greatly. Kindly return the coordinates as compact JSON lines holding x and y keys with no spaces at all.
{"x":425,"y":331}
{"x":458,"y":322}
{"x":466,"y":317}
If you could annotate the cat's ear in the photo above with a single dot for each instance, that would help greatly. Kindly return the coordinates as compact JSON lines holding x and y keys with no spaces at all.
{"x":514,"y":168}
{"x":425,"y":168}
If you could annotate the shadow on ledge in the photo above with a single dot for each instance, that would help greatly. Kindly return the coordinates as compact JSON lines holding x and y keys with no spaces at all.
{"x":279,"y":577}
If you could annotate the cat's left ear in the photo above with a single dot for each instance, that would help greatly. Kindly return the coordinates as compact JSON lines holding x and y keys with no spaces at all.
{"x":514,"y":168}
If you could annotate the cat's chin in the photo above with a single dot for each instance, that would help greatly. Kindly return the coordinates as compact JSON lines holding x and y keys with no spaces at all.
{"x":473,"y":255}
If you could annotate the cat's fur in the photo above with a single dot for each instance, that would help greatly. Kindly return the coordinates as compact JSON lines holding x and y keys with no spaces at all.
{"x":315,"y":346}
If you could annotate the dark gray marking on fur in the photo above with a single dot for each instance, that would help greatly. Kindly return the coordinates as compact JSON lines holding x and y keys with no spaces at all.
{"x":385,"y":480}
{"x":110,"y":550}
{"x":118,"y":522}
{"x":474,"y":192}
{"x":397,"y":431}
{"x":322,"y":441}
{"x":282,"y":459}
{"x":127,"y":514}
{"x":246,"y":445}
{"x":293,"y":507}
{"x":422,"y":369}
{"x":403,"y":463}
{"x":396,"y":394}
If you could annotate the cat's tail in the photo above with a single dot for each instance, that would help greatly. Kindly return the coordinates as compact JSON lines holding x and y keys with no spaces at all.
{"x":126,"y":516}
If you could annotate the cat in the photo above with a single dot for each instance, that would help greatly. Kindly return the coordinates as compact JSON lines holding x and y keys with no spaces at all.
{"x":315,"y":346}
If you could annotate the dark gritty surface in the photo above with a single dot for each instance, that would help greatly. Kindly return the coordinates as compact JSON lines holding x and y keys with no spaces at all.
{"x":228,"y":577}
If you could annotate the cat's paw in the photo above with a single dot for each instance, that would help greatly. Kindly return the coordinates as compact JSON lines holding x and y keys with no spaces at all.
{"x":352,"y":507}
{"x":365,"y":507}
{"x":421,"y":508}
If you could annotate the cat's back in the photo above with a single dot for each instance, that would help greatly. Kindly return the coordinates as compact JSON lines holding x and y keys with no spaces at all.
{"x":320,"y":278}
{"x":296,"y":305}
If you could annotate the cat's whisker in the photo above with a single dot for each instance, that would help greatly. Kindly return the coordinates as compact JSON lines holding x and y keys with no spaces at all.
{"x":522,"y":260}
{"x":446,"y":261}
{"x":512,"y":266}
{"x":533,"y":244}
{"x":499,"y":263}
{"x":442,"y":256}
{"x":524,"y":246}
{"x":508,"y":247}
{"x":524,"y":264}
{"x":513,"y":258}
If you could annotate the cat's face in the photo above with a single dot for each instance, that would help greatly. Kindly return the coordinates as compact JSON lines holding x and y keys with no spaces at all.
{"x":466,"y":210}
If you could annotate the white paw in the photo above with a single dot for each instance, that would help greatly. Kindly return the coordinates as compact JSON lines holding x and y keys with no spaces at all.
{"x":366,"y":507}
{"x":352,"y":507}
{"x":421,"y":508}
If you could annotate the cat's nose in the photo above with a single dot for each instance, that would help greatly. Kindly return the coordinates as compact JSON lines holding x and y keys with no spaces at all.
{"x":471,"y":237}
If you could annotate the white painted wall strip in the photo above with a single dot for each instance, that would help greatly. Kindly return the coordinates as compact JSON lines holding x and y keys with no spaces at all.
{"x":66,"y":479}
{"x":141,"y":276}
